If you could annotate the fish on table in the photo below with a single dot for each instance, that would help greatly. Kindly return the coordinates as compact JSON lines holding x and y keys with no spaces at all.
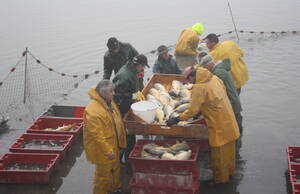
{"x":171,"y":102}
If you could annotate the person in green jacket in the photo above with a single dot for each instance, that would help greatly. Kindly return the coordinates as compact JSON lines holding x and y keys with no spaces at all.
{"x":165,"y":62}
{"x":117,"y":56}
{"x":127,"y":90}
{"x":222,"y":70}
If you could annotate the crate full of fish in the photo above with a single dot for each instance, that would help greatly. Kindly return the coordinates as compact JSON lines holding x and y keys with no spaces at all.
{"x":27,"y":168}
{"x":293,"y":155}
{"x":165,"y":157}
{"x":57,"y":125}
{"x":137,"y":188}
{"x":65,"y":111}
{"x":42,"y":143}
{"x":173,"y":96}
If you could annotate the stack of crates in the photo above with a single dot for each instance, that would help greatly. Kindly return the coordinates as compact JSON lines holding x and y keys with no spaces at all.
{"x":164,"y":176}
{"x":294,"y":168}
{"x":34,"y":165}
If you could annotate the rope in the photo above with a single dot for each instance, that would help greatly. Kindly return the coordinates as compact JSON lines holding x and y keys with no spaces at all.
{"x":44,"y":84}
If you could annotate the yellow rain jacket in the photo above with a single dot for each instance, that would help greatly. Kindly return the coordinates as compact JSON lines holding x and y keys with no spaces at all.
{"x":104,"y":131}
{"x":187,"y":43}
{"x":230,"y":50}
{"x":209,"y":97}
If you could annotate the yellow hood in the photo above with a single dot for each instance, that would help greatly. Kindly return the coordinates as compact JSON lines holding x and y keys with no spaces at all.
{"x":203,"y":75}
{"x":93,"y":94}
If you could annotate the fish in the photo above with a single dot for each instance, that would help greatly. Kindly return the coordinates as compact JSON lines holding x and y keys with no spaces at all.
{"x":159,"y":87}
{"x":297,"y":159}
{"x":159,"y":115}
{"x":185,"y":93}
{"x":173,"y":92}
{"x":149,"y":97}
{"x":164,"y":98}
{"x":180,"y":146}
{"x":154,"y":92}
{"x":174,"y":114}
{"x":185,"y":100}
{"x":148,"y":156}
{"x":178,"y":151}
{"x":188,"y":86}
{"x":182,"y":123}
{"x":168,"y":156}
{"x":167,"y":110}
{"x":155,"y":149}
{"x":183,"y":155}
{"x":174,"y":103}
{"x":182,"y":108}
{"x":176,"y":86}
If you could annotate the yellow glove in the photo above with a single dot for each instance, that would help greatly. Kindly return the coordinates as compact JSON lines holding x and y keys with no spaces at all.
{"x":138,"y":96}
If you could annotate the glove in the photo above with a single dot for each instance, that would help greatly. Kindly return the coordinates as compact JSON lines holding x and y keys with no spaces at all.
{"x":172,"y":121}
{"x":138,"y":96}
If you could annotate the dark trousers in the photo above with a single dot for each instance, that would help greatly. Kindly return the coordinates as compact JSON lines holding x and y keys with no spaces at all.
{"x":124,"y":108}
{"x":239,"y":120}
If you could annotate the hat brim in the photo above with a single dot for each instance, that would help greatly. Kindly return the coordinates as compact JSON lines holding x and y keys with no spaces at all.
{"x":162,"y":52}
{"x":146,"y":65}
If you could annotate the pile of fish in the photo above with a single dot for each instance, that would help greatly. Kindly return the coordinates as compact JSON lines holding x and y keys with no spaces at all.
{"x":178,"y":151}
{"x":26,"y":166}
{"x":70,"y":127}
{"x":171,"y":102}
{"x":44,"y":144}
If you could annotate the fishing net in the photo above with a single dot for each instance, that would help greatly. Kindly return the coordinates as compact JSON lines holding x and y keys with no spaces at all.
{"x":31,"y":86}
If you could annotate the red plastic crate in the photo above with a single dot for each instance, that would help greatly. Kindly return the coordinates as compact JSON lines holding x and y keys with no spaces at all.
{"x":296,"y":188}
{"x":78,"y":111}
{"x":17,"y":146}
{"x":163,"y":189}
{"x":53,"y":122}
{"x":292,"y":153}
{"x":158,"y":166}
{"x":294,"y":171}
{"x":65,"y":111}
{"x":27,"y":176}
{"x":169,"y":180}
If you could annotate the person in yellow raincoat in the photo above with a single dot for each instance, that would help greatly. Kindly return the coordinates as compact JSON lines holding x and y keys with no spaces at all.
{"x":186,"y":46}
{"x":209,"y":97}
{"x":103,"y":136}
{"x":229,"y":50}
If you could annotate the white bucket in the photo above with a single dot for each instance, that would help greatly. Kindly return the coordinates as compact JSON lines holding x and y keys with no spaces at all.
{"x":145,"y":110}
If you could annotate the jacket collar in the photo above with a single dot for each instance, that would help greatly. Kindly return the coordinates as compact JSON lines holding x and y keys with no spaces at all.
{"x":95,"y":96}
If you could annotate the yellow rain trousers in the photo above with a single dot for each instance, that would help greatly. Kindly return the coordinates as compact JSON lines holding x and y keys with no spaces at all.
{"x":230,"y":50}
{"x":223,"y":161}
{"x":103,"y":133}
{"x":107,"y":178}
{"x":209,"y":97}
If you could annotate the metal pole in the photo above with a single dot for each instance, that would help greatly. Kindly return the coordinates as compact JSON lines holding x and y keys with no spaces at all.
{"x":233,"y":21}
{"x":25,"y":76}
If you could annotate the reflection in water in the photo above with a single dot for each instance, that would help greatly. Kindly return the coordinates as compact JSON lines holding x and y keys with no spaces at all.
{"x":56,"y":178}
